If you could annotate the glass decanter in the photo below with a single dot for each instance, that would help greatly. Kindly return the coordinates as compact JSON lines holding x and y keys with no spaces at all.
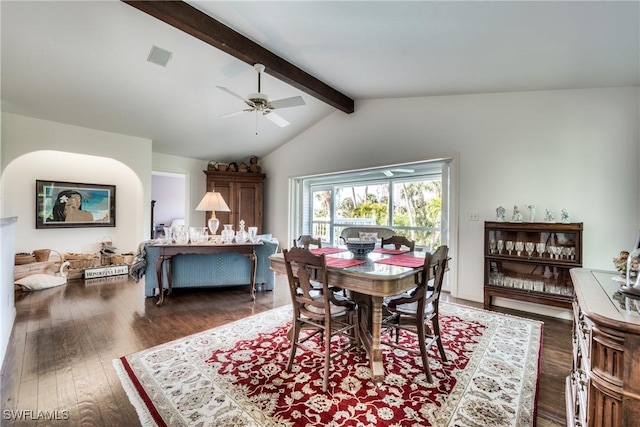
{"x":241,"y":235}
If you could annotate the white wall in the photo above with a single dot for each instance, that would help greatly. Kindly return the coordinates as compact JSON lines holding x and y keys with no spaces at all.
{"x":38,"y":149}
{"x":574,"y":149}
{"x":7,"y":310}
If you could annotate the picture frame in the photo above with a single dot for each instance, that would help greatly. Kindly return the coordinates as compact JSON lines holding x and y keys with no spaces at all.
{"x":62,"y":204}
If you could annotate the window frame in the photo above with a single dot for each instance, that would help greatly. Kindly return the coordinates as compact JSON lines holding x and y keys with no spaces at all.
{"x":449,"y":221}
{"x":304,"y":188}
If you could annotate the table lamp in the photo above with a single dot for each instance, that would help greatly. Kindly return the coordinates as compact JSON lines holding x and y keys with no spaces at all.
{"x":212,"y":202}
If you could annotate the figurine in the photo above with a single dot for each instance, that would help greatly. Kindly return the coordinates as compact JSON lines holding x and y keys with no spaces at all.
{"x":565,"y":216}
{"x":517,"y":216}
{"x":532,"y":212}
{"x":500,"y":213}
{"x":549,"y":216}
{"x":253,"y":165}
{"x":621,"y":262}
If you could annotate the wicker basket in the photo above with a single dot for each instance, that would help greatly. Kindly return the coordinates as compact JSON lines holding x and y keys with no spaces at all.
{"x":129,"y":258}
{"x":117,"y":259}
{"x":24,"y":258}
{"x":41,"y":254}
{"x":78,"y":261}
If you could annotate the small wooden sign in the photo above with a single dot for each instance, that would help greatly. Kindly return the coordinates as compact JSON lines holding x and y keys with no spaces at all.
{"x":112,"y":270}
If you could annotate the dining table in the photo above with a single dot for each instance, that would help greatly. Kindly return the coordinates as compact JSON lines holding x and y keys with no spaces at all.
{"x":382,"y":273}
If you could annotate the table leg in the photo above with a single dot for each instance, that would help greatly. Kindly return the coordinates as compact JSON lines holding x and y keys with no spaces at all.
{"x":370,"y":317}
{"x":159,"y":262}
{"x":254,"y":261}
{"x":169,"y":283}
{"x":375,"y":353}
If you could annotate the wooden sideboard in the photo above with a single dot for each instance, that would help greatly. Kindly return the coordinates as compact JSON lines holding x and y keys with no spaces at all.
{"x":243,"y":193}
{"x":603,"y":388}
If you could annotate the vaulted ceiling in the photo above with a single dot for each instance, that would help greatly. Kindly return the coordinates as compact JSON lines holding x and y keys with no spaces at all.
{"x":85,"y":63}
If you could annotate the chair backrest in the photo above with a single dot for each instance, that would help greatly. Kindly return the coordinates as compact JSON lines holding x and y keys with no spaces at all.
{"x":305,"y":240}
{"x":435,"y":269}
{"x":302,"y":267}
{"x":177,"y":222}
{"x":354,"y":232}
{"x":398,"y":242}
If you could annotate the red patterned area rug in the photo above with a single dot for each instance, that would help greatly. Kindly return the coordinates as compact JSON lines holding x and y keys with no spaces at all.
{"x":235,"y":375}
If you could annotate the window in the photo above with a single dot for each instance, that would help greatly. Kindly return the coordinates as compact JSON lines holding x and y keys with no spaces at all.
{"x":410,"y":198}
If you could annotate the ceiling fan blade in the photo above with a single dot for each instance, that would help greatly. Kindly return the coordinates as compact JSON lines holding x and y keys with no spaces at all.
{"x":235,"y":113}
{"x":287,"y":102}
{"x":276,"y":118}
{"x":224,"y":89}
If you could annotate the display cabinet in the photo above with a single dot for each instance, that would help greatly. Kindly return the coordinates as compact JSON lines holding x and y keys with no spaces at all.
{"x":530,"y":261}
{"x":243,"y":192}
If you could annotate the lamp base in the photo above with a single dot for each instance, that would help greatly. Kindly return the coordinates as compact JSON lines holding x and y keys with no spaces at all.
{"x":213,"y":225}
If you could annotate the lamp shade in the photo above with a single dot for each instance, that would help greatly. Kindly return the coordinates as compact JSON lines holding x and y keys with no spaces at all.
{"x":212,"y":201}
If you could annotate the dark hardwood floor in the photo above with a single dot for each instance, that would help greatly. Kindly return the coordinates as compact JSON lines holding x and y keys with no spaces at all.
{"x":59,"y":360}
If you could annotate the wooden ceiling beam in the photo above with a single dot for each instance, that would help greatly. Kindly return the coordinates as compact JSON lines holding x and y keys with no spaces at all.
{"x":202,"y":26}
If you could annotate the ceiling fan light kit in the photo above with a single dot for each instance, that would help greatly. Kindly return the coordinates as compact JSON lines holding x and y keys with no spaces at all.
{"x":260,"y":102}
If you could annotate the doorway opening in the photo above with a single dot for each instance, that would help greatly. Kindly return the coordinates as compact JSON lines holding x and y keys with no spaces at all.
{"x":167,"y":201}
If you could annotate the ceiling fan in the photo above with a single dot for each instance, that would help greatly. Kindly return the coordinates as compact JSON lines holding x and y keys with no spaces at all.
{"x":390,"y":172}
{"x":260,"y":102}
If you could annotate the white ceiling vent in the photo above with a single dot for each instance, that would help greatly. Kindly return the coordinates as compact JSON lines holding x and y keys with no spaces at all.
{"x":159,"y":56}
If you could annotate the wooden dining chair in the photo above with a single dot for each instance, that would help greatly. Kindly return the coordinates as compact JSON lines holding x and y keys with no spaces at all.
{"x":418,"y":313}
{"x":398,"y":242}
{"x":305,"y":240}
{"x":325,"y":314}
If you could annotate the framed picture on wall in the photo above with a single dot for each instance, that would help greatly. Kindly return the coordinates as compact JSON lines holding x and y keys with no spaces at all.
{"x":73,"y":205}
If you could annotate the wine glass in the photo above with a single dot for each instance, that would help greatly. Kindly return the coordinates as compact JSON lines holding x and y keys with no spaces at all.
{"x":552,"y":251}
{"x":529,"y":247}
{"x":492,"y":246}
{"x":509,"y":246}
{"x":519,"y":247}
{"x":540,"y":247}
{"x":500,"y":246}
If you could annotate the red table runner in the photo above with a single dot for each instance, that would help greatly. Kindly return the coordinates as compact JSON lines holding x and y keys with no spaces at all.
{"x":342,"y":262}
{"x":403,"y":261}
{"x":327,"y":250}
{"x":391,"y":251}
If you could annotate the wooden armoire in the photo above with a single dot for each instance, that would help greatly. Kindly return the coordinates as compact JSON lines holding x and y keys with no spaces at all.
{"x":243,"y":193}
